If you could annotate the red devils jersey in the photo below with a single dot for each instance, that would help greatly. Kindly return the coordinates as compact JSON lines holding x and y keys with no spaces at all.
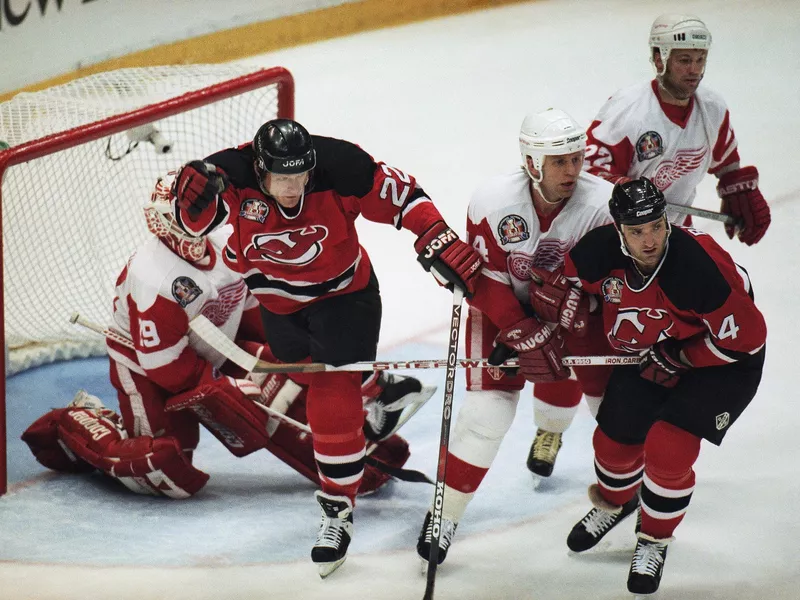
{"x":291,"y":259}
{"x":697,"y":293}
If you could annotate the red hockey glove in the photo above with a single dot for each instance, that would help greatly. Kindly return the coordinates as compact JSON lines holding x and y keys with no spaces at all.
{"x":556,"y":300}
{"x":451,"y":261}
{"x":661,"y":363}
{"x":197,"y":186}
{"x":742,"y":200}
{"x":539,"y":350}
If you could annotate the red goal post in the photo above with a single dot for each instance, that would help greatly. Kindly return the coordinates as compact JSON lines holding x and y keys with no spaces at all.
{"x":81,"y":161}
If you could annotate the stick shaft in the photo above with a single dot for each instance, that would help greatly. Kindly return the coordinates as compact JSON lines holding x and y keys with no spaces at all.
{"x":112,"y":334}
{"x":701,"y":212}
{"x":444,"y":441}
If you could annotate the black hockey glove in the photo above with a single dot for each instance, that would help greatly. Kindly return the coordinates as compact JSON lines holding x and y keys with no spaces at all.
{"x":661,"y":363}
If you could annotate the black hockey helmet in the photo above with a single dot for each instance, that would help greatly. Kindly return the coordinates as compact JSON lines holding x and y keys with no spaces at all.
{"x":635,"y":202}
{"x":283,"y":146}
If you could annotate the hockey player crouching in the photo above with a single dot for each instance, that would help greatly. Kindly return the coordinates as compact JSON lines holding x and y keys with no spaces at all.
{"x":676,"y":297}
{"x":168,"y":381}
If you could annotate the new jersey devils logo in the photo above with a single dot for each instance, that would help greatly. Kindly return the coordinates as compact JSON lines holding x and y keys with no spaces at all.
{"x":638,"y":328}
{"x":293,"y":247}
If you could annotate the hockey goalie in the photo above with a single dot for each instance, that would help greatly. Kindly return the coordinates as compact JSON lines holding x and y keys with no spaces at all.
{"x":169,"y":382}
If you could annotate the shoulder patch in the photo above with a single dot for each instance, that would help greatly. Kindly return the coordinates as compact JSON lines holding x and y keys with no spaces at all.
{"x":512,"y":229}
{"x":185,"y":291}
{"x":612,"y":290}
{"x":649,"y":145}
{"x":254,"y":209}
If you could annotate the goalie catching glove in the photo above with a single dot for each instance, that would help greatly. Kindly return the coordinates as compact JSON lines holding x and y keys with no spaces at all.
{"x":539,"y":350}
{"x":451,"y":261}
{"x":555,"y":300}
{"x":742,"y":200}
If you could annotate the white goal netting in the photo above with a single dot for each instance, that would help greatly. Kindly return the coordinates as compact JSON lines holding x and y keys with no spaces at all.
{"x":72,"y":217}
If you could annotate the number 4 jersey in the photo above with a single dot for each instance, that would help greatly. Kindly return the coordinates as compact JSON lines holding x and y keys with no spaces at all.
{"x":697,"y":293}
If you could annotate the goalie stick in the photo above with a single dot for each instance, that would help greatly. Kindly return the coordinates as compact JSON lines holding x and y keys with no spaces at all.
{"x":398,"y":473}
{"x":206,"y":330}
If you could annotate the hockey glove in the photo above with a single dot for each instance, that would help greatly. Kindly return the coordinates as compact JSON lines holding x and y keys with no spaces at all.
{"x":451,"y":261}
{"x":742,"y":200}
{"x":539,"y":350}
{"x":196,"y":187}
{"x":556,"y":300}
{"x":661,"y":363}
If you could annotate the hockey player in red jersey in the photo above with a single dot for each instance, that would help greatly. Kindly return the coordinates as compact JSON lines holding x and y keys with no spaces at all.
{"x":293,"y":199}
{"x":673,"y":131}
{"x":168,"y":381}
{"x":523,"y":224}
{"x":677,"y":298}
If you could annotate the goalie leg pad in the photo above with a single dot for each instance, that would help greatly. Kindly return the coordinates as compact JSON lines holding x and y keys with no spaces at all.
{"x":156,"y":466}
{"x":233,"y":419}
{"x":44,"y":442}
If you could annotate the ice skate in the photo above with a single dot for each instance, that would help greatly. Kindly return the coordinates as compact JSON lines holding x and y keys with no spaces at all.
{"x":400,"y":398}
{"x":647,"y":564}
{"x":426,"y":535}
{"x":335,"y":532}
{"x":598,"y":521}
{"x":543,"y":453}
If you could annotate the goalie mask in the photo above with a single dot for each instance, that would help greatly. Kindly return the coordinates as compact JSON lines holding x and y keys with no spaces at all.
{"x":670,"y":32}
{"x":158,"y":213}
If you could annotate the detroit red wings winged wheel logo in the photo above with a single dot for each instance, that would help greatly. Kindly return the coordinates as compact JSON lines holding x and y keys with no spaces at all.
{"x":293,"y":247}
{"x":684,"y":162}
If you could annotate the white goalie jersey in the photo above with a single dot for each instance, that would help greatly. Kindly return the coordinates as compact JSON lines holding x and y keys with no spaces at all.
{"x":502,"y":225}
{"x":158,"y":294}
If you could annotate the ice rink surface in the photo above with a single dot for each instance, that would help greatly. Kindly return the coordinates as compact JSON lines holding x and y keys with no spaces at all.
{"x":443,"y":100}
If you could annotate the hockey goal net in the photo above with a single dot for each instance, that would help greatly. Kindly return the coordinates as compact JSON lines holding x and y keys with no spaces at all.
{"x":77,"y":163}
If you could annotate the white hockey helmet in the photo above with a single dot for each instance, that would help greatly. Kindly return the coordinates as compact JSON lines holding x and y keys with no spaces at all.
{"x":158,"y":213}
{"x":549,"y":133}
{"x":672,"y":31}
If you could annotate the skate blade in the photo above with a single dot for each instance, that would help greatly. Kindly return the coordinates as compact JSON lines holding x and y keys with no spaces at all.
{"x":326,"y":569}
{"x":415,"y":402}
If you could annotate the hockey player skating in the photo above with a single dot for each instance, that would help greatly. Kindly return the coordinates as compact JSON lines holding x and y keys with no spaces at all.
{"x":673,"y":131}
{"x":168,"y":381}
{"x":293,"y":199}
{"x":675,"y":296}
{"x":523,"y":224}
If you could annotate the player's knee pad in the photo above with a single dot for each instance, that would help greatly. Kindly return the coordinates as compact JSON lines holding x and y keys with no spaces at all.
{"x":614,"y":455}
{"x":671,"y":451}
{"x":143,"y":464}
{"x":487,"y":414}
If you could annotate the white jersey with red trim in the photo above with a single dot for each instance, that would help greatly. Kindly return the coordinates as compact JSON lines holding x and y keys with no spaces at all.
{"x":158,"y":293}
{"x":502,"y":225}
{"x":632,"y":135}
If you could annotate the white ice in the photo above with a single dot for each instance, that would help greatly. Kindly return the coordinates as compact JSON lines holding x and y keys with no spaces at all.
{"x":443,"y":100}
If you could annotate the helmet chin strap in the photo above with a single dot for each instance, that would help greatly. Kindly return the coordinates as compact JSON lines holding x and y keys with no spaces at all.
{"x":538,"y":188}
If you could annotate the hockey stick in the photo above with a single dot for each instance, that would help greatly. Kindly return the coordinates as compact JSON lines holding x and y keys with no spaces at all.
{"x":206,"y":330}
{"x":444,"y":441}
{"x":397,"y":472}
{"x":701,"y":212}
{"x":108,"y":332}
